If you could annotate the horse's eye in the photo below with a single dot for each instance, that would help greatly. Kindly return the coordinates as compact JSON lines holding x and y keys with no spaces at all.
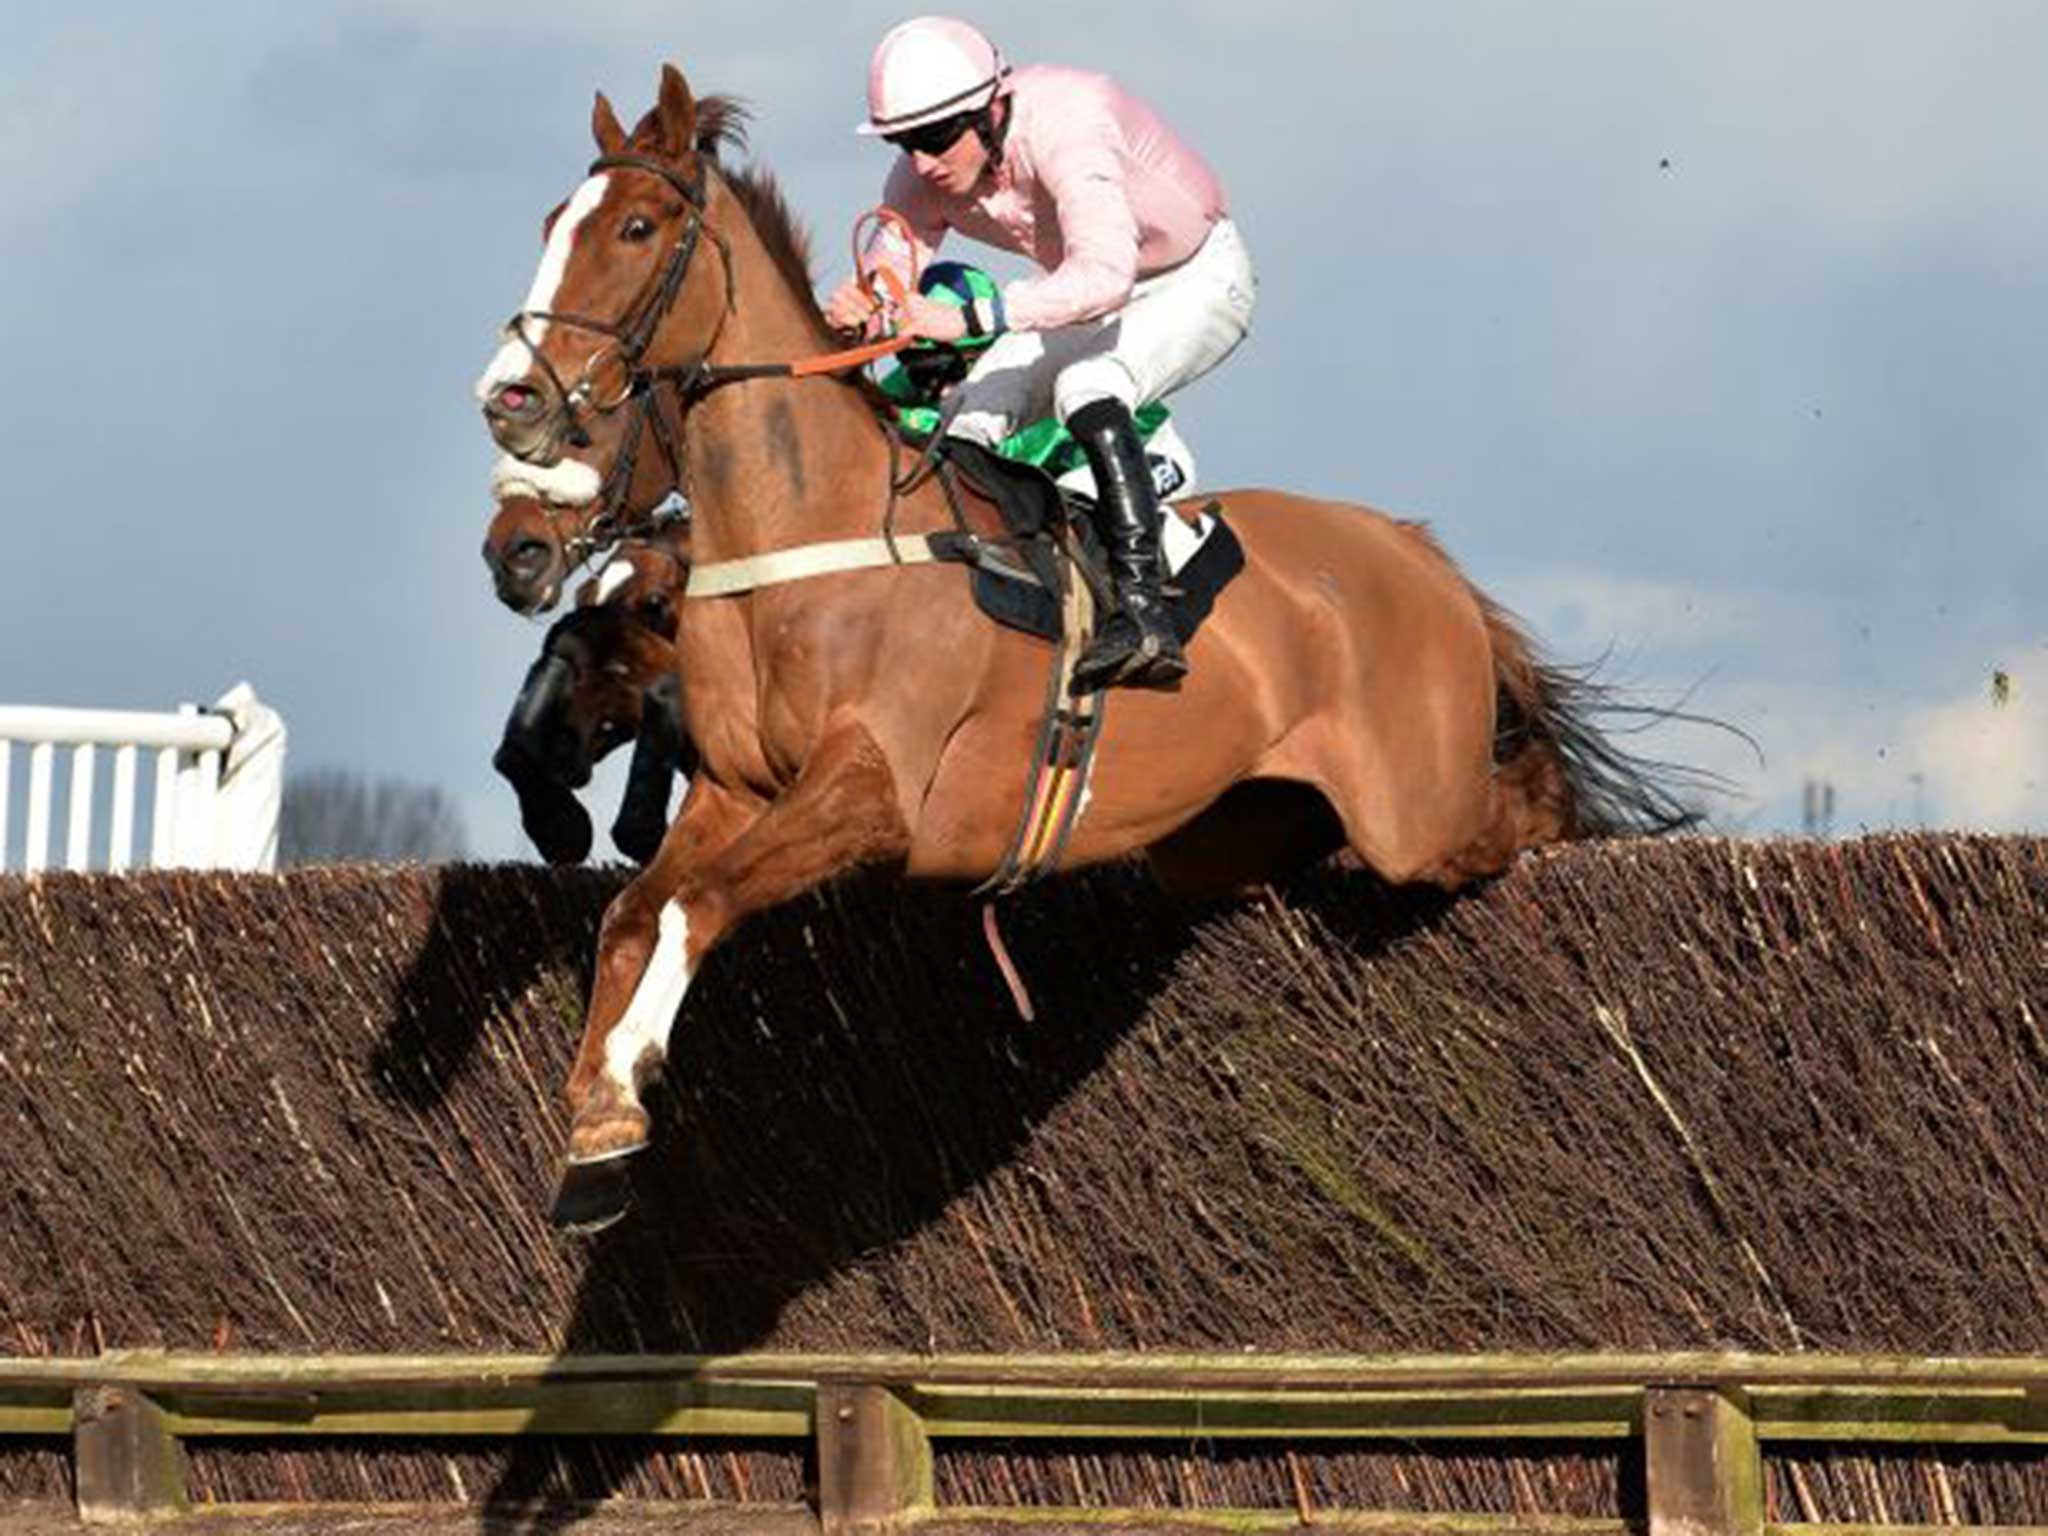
{"x":636,"y":228}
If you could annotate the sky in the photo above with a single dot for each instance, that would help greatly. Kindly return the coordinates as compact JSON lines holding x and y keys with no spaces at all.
{"x":1709,"y":339}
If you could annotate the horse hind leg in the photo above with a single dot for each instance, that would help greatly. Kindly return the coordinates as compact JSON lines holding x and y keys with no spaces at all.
{"x":1536,"y":795}
{"x":1259,"y":831}
{"x":1533,"y":803}
{"x":1531,"y":807}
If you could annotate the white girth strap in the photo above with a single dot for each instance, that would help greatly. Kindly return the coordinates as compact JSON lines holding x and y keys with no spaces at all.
{"x":722,"y":577}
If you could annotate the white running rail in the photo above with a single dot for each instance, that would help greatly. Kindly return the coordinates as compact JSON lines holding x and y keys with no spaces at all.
{"x":217,"y":784}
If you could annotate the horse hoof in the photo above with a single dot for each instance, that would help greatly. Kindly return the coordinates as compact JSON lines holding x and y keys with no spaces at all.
{"x":591,"y":1196}
{"x":606,"y":1135}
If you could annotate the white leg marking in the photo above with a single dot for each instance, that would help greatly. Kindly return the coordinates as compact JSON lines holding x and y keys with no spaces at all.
{"x":652,"y":1012}
{"x":512,"y":360}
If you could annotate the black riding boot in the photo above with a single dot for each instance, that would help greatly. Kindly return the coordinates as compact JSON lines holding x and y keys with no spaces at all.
{"x":1135,"y":647}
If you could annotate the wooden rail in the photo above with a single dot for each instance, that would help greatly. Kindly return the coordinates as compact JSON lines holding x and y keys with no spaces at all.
{"x":1699,"y":1420}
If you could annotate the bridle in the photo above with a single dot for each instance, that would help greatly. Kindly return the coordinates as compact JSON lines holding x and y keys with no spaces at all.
{"x":630,"y":338}
{"x":582,"y":538}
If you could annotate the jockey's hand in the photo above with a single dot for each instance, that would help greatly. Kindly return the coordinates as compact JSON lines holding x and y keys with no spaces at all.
{"x":852,"y":308}
{"x":933,"y":321}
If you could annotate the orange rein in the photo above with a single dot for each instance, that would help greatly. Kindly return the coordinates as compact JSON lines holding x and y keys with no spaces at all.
{"x":884,"y":285}
{"x":882,"y":282}
{"x":852,"y":357}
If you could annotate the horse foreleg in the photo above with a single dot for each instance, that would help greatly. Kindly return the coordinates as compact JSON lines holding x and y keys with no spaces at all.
{"x":637,"y":968}
{"x":660,"y":752}
{"x":841,"y":812}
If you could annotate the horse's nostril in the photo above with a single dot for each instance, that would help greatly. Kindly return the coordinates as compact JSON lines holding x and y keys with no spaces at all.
{"x":514,"y":400}
{"x":528,"y":558}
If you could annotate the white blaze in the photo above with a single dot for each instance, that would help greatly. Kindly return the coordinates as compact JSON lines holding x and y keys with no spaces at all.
{"x":652,"y":1012}
{"x":513,"y":359}
{"x":613,"y":577}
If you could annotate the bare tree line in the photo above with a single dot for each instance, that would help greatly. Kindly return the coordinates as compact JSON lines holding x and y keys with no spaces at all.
{"x":332,"y":815}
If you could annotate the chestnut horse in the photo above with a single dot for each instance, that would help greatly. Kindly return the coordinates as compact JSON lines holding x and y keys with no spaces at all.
{"x":1349,"y":689}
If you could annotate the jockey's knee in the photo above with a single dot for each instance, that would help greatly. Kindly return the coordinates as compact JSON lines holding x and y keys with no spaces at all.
{"x":987,"y":428}
{"x":1092,"y":379}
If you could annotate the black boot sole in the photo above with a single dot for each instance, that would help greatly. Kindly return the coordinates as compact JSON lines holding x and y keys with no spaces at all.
{"x":1161,"y":670}
{"x":1162,"y":674}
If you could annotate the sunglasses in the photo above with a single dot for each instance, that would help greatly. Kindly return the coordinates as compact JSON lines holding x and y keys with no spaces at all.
{"x":932,"y":138}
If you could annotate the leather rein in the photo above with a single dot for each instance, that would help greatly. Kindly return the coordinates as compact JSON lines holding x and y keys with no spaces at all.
{"x":630,"y":338}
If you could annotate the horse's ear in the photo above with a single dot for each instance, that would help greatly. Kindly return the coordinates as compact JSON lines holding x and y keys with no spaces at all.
{"x":676,"y":112}
{"x":604,"y":127}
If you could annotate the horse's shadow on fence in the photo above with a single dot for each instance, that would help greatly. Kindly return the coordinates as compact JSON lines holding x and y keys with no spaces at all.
{"x":842,"y":1073}
{"x":497,"y":933}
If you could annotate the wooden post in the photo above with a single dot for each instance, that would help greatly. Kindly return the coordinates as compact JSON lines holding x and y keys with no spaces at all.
{"x":130,"y":1466}
{"x":1702,"y":1468}
{"x":874,"y":1460}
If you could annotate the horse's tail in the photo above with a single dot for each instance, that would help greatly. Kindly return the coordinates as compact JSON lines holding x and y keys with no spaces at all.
{"x":1570,"y":777}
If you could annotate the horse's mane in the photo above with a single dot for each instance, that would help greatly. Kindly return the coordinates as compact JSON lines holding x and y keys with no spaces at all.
{"x":789,"y":244}
{"x":722,"y":125}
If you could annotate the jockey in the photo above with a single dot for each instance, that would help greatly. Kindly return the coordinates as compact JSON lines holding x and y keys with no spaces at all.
{"x":925,"y":371}
{"x":1144,"y":284}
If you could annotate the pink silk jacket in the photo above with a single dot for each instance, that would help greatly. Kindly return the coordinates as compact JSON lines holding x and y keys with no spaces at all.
{"x":1093,"y":186}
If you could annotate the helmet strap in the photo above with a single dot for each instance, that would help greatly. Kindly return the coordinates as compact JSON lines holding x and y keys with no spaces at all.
{"x":993,"y":130}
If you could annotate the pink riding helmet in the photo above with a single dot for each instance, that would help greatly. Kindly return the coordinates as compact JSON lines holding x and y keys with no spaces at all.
{"x":928,"y":68}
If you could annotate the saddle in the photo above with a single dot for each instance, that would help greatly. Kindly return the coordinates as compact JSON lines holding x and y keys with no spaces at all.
{"x":1016,"y":573}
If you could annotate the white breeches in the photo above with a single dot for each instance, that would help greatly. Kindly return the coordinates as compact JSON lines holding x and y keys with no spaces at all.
{"x":1177,"y":326}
